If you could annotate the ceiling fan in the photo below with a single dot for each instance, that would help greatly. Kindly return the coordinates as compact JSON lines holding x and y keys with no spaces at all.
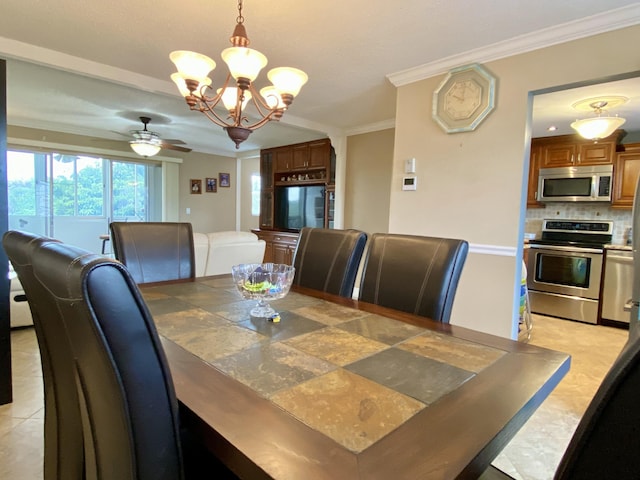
{"x":147,"y":143}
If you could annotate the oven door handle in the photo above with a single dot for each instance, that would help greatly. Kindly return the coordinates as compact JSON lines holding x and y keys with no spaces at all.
{"x":561,"y":248}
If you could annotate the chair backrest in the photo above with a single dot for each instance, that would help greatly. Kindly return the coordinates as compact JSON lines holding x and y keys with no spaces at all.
{"x":63,"y":441}
{"x":412,"y":273}
{"x":127,"y":400}
{"x":154,"y":251}
{"x":607,"y":440}
{"x":328,"y":259}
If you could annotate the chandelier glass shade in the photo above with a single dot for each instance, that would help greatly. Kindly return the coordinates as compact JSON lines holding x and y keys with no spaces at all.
{"x":238,"y":90}
{"x":597,"y":127}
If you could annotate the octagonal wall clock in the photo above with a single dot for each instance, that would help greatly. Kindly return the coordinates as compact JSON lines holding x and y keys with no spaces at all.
{"x":464,"y":98}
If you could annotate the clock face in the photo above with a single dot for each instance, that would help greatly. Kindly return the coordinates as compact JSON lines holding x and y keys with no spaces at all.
{"x":464,"y":98}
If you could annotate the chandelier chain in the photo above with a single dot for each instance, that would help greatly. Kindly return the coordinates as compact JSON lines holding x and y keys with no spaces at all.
{"x":240,"y":18}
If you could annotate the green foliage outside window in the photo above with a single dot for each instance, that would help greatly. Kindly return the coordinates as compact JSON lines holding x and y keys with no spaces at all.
{"x":78,"y":186}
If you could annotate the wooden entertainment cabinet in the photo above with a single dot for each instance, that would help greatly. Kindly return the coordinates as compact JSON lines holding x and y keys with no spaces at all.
{"x":310,"y":163}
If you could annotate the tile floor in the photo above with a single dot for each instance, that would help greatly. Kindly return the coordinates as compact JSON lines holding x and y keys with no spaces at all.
{"x":532,"y":455}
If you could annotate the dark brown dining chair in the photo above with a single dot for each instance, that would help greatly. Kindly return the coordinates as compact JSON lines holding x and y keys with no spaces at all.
{"x":63,"y":442}
{"x":606,"y":442}
{"x":128,"y":408}
{"x":154,"y":251}
{"x":415,"y":274}
{"x":328,"y":259}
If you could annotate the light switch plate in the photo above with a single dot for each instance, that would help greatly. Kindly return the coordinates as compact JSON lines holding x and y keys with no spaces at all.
{"x":410,"y":165}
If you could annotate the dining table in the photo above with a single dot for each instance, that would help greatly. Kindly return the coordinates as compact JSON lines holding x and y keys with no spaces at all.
{"x":335,"y":388}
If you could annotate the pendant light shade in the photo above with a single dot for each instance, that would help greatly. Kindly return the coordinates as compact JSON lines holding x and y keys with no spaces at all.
{"x":600,"y":126}
{"x":597,"y":127}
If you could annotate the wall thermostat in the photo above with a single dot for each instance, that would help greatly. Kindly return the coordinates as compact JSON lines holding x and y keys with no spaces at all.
{"x":409,"y":183}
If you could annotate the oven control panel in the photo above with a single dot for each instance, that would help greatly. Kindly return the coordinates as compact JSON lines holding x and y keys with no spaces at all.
{"x":582,"y":226}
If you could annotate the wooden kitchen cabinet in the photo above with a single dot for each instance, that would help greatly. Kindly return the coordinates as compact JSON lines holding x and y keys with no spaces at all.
{"x":556,"y":153}
{"x":573,"y":150}
{"x":625,"y":176}
{"x":600,"y":153}
{"x":280,"y":246}
{"x":534,"y":167}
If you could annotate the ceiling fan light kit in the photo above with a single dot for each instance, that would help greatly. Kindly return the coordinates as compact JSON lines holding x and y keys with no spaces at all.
{"x":244,"y":67}
{"x":146,"y":143}
{"x":595,"y":128}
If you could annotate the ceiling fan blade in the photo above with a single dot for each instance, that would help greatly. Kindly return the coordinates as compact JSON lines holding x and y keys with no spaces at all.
{"x":169,"y":146}
{"x":174,"y":141}
{"x":120,"y":133}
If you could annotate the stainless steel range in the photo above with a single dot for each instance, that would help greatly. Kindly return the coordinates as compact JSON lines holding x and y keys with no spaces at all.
{"x":565,"y":266}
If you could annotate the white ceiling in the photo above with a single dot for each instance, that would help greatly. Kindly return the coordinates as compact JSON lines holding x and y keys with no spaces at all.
{"x":93,"y":68}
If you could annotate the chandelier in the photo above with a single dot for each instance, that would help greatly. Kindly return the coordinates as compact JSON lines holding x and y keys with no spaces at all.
{"x":595,"y":128}
{"x":238,"y":89}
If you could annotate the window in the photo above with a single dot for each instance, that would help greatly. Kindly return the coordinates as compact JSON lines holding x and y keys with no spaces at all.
{"x":255,"y":194}
{"x":129,"y":191}
{"x":78,"y":186}
{"x":22,"y":183}
{"x":74,"y":197}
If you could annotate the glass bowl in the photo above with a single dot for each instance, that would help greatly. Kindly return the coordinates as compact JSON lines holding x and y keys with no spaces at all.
{"x":264,"y":282}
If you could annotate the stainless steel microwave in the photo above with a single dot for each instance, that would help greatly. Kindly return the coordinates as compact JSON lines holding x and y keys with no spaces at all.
{"x":575,"y":184}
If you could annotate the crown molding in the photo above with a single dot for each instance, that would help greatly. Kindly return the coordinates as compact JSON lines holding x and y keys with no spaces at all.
{"x":586,"y":27}
{"x":372,"y":127}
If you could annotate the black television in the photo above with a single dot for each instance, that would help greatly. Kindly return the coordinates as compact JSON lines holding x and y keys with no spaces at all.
{"x":299,"y":206}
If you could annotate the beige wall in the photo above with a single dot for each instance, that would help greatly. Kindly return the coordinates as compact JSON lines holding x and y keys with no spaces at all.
{"x":368,"y":181}
{"x":470,"y":185}
{"x":210,"y":212}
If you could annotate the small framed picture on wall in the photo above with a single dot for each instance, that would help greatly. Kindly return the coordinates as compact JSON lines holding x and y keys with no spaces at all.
{"x":196,"y":186}
{"x":225,"y":180}
{"x":211,"y":185}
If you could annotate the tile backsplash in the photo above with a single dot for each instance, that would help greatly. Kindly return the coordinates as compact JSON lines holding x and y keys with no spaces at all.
{"x":579,"y":211}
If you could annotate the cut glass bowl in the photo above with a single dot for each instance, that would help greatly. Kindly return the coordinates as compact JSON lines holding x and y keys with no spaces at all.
{"x":264,"y":282}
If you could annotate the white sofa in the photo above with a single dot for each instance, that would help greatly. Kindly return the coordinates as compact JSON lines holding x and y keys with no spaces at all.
{"x":217,"y":252}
